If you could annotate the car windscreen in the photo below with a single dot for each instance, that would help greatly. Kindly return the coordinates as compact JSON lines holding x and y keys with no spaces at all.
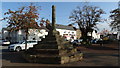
{"x":20,"y":42}
{"x":5,"y":41}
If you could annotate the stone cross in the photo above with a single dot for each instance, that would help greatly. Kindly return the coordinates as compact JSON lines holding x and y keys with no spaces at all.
{"x":53,"y":17}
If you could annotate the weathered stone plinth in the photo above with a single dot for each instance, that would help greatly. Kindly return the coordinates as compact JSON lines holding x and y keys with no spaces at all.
{"x":54,"y":50}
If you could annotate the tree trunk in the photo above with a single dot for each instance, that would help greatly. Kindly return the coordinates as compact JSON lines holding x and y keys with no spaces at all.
{"x":84,"y":34}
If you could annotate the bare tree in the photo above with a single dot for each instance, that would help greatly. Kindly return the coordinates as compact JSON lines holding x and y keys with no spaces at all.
{"x":86,"y":18}
{"x":115,"y":16}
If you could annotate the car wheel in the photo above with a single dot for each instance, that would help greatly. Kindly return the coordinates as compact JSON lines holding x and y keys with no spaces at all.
{"x":18,"y":49}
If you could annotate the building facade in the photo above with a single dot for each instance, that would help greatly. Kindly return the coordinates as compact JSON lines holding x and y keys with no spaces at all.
{"x":66,"y":31}
{"x":19,"y":36}
{"x":37,"y":34}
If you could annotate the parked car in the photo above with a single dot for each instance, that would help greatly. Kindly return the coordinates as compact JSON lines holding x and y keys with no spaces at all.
{"x":77,"y":42}
{"x":4,"y":42}
{"x":21,"y":46}
{"x":94,"y":41}
{"x":97,"y":41}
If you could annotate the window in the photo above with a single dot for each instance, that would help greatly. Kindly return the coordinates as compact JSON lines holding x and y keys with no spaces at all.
{"x":31,"y":41}
{"x":64,"y":31}
{"x":40,"y":37}
{"x":33,"y":38}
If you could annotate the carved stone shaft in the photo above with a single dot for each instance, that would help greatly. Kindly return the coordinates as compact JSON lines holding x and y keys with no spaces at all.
{"x":53,"y":17}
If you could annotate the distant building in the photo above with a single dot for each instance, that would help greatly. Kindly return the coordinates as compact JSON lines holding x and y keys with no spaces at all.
{"x":36,"y":34}
{"x":19,"y":36}
{"x":5,"y":33}
{"x":66,"y":31}
{"x":94,"y":35}
{"x":109,"y":34}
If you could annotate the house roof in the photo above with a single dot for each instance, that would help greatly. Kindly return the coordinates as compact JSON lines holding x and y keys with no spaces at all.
{"x":59,"y":26}
{"x":31,"y":28}
{"x":43,"y":27}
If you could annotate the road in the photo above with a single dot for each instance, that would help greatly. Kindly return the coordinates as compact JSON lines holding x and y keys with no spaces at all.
{"x":92,"y":57}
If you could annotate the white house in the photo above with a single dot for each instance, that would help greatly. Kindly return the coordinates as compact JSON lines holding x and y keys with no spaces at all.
{"x":19,"y":36}
{"x":4,"y":33}
{"x":66,"y":31}
{"x":36,"y":34}
{"x":94,"y":35}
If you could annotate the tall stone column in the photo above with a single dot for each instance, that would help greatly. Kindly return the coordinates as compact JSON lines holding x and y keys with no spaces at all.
{"x":53,"y":49}
{"x":53,"y":17}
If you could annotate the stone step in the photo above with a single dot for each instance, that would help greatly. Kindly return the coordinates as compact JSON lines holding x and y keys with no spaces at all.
{"x":48,"y":51}
{"x":45,"y":51}
{"x":53,"y":46}
{"x":49,"y":42}
{"x":53,"y":43}
{"x":53,"y":59}
{"x":46,"y":39}
{"x":47,"y":46}
{"x":52,"y":37}
{"x":53,"y":50}
{"x":56,"y":55}
{"x":43,"y":59}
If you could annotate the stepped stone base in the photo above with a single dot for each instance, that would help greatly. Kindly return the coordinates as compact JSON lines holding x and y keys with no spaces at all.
{"x":53,"y":59}
{"x":53,"y":50}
